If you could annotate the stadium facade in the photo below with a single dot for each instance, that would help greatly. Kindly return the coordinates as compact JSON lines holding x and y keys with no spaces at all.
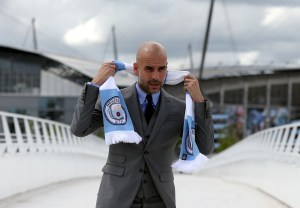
{"x":44,"y":85}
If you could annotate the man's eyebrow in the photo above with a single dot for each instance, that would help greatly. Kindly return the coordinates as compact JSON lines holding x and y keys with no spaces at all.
{"x":149,"y":67}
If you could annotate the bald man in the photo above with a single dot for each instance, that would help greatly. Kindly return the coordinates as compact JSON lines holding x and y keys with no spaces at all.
{"x":140,"y":175}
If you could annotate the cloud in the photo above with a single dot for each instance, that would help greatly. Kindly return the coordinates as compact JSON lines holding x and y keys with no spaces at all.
{"x":273,"y":15}
{"x":268,"y":27}
{"x":88,"y":32}
{"x":248,"y":58}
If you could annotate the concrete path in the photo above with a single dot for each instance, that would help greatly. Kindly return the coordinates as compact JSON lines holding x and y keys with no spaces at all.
{"x":191,"y":191}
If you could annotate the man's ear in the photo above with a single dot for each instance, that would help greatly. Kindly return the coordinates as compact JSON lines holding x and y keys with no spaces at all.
{"x":135,"y":69}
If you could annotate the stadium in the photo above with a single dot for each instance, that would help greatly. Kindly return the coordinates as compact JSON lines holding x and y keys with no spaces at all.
{"x":48,"y":86}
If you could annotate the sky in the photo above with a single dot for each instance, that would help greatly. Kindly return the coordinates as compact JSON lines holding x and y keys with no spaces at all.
{"x":248,"y":32}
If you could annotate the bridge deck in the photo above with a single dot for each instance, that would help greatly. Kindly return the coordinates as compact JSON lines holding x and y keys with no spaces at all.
{"x":192,"y":192}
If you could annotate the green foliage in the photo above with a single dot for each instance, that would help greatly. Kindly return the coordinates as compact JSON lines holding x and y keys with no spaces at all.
{"x":100,"y":132}
{"x":231,"y":136}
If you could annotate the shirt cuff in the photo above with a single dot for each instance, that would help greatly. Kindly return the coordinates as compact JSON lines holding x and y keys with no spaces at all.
{"x":93,"y":84}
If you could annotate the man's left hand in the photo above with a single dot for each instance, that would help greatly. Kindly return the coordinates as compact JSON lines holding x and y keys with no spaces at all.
{"x":191,"y":84}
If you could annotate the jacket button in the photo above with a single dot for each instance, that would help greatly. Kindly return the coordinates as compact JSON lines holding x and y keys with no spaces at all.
{"x":141,"y":170}
{"x":146,"y":152}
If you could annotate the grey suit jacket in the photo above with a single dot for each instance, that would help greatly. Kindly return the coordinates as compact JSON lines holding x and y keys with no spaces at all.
{"x":122,"y":172}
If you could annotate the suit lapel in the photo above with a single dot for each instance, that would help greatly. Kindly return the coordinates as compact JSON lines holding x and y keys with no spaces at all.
{"x":131,"y":100}
{"x":164,"y":108}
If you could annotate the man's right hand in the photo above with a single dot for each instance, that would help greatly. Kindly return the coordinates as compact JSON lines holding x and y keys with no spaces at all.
{"x":106,"y":70}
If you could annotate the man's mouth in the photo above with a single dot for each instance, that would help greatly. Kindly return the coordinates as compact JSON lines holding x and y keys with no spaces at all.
{"x":154,"y":85}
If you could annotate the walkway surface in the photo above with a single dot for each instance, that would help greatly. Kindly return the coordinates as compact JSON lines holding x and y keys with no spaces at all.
{"x":191,"y":191}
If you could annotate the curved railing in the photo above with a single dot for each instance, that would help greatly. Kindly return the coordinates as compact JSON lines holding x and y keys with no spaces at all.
{"x":20,"y":134}
{"x":277,"y":143}
{"x":268,"y":160}
{"x":35,"y":152}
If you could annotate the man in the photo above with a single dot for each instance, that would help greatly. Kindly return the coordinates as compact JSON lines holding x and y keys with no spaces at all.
{"x":140,"y":175}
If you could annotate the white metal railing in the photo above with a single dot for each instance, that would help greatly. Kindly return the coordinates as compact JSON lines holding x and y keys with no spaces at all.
{"x":35,"y":152}
{"x":20,"y":134}
{"x":268,"y":160}
{"x":277,"y":143}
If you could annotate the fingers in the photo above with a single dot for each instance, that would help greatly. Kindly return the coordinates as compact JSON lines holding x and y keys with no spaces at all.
{"x":106,"y":70}
{"x":191,"y":84}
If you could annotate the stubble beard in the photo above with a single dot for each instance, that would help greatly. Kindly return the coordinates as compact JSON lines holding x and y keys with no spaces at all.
{"x":146,"y":86}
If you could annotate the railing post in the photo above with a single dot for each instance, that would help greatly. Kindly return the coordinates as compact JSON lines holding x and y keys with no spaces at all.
{"x":65,"y":138}
{"x":291,"y":140}
{"x":296,"y":150}
{"x":53,"y":137}
{"x":46,"y":137}
{"x":7,"y":134}
{"x":20,"y":142}
{"x":274,"y":139}
{"x":31,"y":147}
{"x":278,"y":139}
{"x":59,"y":138}
{"x":37,"y":136}
{"x":283,"y":143}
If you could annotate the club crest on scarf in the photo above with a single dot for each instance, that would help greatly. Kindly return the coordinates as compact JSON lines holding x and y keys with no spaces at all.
{"x":189,"y":142}
{"x":114,"y":111}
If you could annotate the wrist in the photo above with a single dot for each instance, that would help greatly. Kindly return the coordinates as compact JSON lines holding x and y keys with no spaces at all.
{"x":199,"y":99}
{"x":93,"y":84}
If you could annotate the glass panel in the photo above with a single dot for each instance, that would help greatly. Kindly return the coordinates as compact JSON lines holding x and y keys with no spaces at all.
{"x":257,"y":95}
{"x":234,"y":96}
{"x":214,"y":98}
{"x":296,"y":95}
{"x":279,"y":94}
{"x":52,"y":108}
{"x":19,"y":74}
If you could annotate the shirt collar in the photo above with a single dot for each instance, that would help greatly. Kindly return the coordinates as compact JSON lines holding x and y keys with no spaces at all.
{"x":142,"y":95}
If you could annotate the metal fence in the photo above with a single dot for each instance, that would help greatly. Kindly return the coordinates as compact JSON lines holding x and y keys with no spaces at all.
{"x":36,"y":152}
{"x":280,"y":143}
{"x":20,"y":134}
{"x":268,"y":160}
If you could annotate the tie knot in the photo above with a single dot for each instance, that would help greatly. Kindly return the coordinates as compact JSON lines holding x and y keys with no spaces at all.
{"x":149,"y":98}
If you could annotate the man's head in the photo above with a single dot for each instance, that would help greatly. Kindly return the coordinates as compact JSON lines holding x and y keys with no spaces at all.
{"x":151,"y":66}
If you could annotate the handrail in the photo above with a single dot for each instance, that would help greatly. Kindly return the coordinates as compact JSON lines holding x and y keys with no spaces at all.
{"x":268,"y":160}
{"x":21,"y":134}
{"x":35,"y":152}
{"x":277,"y":143}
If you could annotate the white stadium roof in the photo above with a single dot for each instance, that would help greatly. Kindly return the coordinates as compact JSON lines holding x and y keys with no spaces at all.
{"x":90,"y":68}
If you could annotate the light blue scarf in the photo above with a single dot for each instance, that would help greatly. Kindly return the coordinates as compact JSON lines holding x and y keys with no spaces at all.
{"x":190,"y":158}
{"x":118,"y":126}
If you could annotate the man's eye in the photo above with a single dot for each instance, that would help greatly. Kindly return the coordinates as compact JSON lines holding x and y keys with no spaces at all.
{"x":162,"y":68}
{"x":148,"y":68}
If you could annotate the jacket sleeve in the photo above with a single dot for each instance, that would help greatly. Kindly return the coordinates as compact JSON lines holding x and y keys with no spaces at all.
{"x":204,"y":130}
{"x":87,"y":115}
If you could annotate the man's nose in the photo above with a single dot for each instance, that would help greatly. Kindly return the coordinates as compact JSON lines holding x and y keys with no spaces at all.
{"x":155,"y":75}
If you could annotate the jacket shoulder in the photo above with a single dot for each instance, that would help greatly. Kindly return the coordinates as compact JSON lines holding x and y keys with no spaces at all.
{"x":173,"y":98}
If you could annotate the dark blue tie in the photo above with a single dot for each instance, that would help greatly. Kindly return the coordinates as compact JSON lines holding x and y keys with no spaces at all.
{"x":149,"y":108}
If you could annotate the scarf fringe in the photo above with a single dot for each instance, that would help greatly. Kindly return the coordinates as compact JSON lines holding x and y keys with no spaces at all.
{"x":115,"y":137}
{"x":191,"y":166}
